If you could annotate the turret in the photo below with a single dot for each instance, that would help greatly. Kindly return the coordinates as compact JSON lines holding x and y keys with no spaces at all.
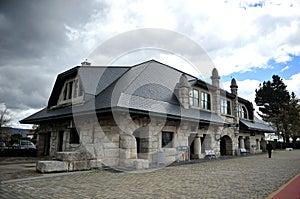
{"x":234,"y":87}
{"x":215,"y":78}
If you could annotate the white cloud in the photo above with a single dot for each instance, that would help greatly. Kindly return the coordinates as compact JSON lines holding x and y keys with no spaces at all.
{"x":246,"y":89}
{"x":293,"y":84}
{"x":284,"y":69}
{"x":237,"y":35}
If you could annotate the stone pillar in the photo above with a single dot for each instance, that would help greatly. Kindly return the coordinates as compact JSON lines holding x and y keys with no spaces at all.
{"x":183,"y":89}
{"x":258,"y":144}
{"x":215,"y":78}
{"x":234,"y":91}
{"x":197,"y":146}
{"x":242,"y":143}
{"x":128,"y":146}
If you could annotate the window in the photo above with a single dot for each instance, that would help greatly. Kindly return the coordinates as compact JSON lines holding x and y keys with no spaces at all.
{"x":242,"y":111}
{"x":205,"y":100}
{"x":72,"y":89}
{"x":74,"y":136}
{"x":200,"y":99}
{"x":77,"y":89}
{"x":166,"y":139}
{"x":245,"y":115}
{"x":225,"y":107}
{"x":194,"y":97}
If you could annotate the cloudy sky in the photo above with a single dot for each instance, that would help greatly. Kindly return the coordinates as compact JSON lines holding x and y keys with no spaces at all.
{"x":249,"y":40}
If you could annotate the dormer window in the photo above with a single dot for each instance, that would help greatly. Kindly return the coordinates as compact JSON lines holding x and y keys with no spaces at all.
{"x":200,"y":99}
{"x":205,"y":101}
{"x":242,"y":111}
{"x":71,"y":90}
{"x":194,"y":97}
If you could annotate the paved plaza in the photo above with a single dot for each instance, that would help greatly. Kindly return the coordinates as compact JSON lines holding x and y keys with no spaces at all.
{"x":247,"y":177}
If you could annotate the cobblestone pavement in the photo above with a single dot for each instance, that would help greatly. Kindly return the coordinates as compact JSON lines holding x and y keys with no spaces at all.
{"x":247,"y":177}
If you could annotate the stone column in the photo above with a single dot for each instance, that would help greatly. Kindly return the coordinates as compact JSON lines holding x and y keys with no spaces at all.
{"x":183,"y":88}
{"x":242,"y":142}
{"x":258,"y":144}
{"x":128,"y":146}
{"x":197,"y":146}
{"x":215,"y":78}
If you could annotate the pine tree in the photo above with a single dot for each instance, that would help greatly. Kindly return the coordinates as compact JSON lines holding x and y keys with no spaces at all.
{"x":273,"y":101}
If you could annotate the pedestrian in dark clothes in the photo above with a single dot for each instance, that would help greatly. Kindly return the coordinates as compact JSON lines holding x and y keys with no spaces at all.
{"x":269,"y":149}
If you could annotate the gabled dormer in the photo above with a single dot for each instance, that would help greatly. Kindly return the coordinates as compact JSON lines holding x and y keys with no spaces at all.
{"x":67,"y":89}
{"x":71,"y":92}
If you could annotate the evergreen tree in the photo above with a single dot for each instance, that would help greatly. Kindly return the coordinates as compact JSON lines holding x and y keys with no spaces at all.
{"x":294,"y":118}
{"x":273,"y":101}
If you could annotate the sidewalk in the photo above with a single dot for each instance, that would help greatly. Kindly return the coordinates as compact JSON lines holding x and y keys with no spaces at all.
{"x":290,"y":190}
{"x":18,"y":167}
{"x":248,"y":177}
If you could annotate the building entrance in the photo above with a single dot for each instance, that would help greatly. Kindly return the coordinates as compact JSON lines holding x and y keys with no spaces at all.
{"x":226,"y":145}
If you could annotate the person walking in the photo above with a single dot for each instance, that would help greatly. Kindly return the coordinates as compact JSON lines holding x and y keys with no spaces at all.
{"x":269,"y":149}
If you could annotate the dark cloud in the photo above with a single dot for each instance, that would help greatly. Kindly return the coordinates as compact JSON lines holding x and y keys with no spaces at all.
{"x":34,"y":47}
{"x":37,"y":28}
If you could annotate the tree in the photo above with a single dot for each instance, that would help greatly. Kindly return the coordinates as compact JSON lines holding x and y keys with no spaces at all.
{"x":4,"y":120}
{"x":273,"y":101}
{"x":294,"y":118}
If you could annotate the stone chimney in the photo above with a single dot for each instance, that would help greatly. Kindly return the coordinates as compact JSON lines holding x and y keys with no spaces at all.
{"x":215,"y":78}
{"x":85,"y":63}
{"x":183,"y":88}
{"x":234,"y":87}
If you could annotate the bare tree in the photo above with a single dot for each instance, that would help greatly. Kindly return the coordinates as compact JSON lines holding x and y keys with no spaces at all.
{"x":4,"y":120}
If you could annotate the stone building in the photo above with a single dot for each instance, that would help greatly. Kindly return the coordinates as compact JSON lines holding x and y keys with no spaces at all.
{"x":142,"y":116}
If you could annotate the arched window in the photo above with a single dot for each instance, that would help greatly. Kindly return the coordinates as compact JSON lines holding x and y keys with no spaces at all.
{"x":245,"y":115}
{"x":242,"y":111}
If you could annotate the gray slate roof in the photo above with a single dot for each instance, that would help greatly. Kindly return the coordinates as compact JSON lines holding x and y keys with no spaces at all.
{"x":146,"y":87}
{"x":257,"y":125}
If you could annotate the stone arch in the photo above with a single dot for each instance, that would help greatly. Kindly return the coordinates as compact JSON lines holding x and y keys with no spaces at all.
{"x":226,"y":145}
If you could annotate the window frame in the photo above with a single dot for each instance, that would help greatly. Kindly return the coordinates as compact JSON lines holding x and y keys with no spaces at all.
{"x":193,"y":99}
{"x":202,"y":101}
{"x":71,"y":91}
{"x":169,"y":142}
{"x":242,"y":111}
{"x":225,"y":106}
{"x":205,"y":100}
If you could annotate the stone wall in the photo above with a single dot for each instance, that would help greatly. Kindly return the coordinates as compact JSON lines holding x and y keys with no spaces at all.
{"x":115,"y":141}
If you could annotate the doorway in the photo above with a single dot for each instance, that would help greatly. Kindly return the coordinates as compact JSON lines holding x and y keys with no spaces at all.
{"x":226,"y":145}
{"x":47,"y":143}
{"x":60,"y":141}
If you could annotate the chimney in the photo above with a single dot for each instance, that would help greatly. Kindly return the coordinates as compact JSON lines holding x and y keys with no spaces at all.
{"x":85,"y":63}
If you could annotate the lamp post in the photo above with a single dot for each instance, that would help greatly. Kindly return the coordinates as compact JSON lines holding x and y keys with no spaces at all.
{"x":278,"y":139}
